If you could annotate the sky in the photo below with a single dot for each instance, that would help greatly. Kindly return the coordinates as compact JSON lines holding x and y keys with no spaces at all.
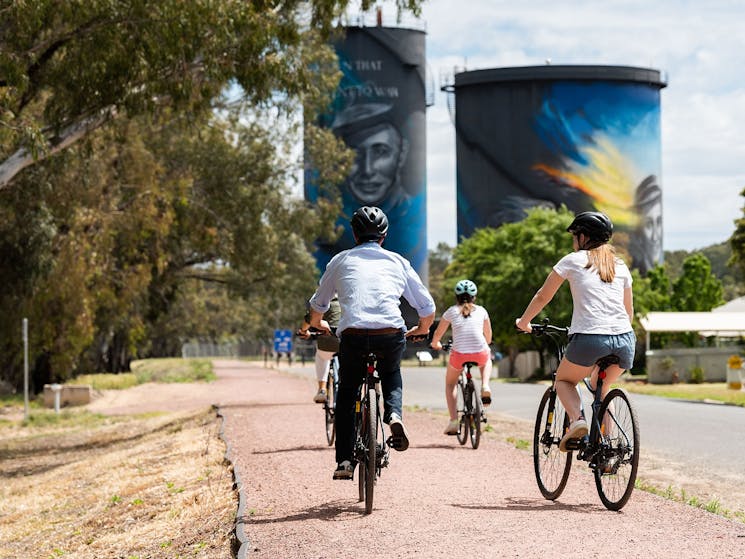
{"x":699,"y":46}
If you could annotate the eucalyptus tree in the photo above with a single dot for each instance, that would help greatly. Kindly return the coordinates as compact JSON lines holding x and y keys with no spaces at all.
{"x":158,"y":177}
{"x":67,"y":68}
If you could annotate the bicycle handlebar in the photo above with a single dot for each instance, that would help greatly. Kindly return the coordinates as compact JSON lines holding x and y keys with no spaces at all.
{"x":545,"y":328}
{"x":313,"y":333}
{"x":417,"y":338}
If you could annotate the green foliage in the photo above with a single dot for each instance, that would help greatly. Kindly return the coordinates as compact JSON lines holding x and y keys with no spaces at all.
{"x":696,"y":375}
{"x":696,"y":289}
{"x":439,"y":259}
{"x":509,"y":264}
{"x":737,"y":243}
{"x":69,"y":67}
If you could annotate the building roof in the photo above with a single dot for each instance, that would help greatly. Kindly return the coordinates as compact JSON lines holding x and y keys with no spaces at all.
{"x":735,"y":305}
{"x":724,"y":324}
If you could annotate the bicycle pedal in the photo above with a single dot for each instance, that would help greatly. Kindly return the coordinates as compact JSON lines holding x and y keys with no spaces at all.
{"x":574,"y":444}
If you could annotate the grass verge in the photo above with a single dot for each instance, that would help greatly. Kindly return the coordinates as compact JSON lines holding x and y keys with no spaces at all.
{"x":152,"y":370}
{"x":131,"y":486}
{"x":713,"y":505}
{"x":709,"y":391}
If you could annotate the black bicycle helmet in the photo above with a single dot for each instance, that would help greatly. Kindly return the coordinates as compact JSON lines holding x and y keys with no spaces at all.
{"x":369,"y":223}
{"x":596,"y":226}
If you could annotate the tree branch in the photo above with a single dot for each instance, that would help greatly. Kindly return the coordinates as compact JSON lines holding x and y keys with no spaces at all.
{"x":23,"y":158}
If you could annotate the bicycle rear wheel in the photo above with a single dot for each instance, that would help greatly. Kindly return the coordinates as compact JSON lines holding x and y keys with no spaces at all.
{"x":360,"y":454}
{"x":463,"y":422}
{"x":330,"y":423}
{"x":475,"y":418}
{"x":371,"y":450}
{"x":551,"y":465}
{"x":618,"y":460}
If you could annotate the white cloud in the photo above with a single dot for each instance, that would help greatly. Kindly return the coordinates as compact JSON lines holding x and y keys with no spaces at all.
{"x":700,"y":46}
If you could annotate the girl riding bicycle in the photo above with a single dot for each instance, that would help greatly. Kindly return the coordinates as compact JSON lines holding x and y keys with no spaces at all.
{"x":603,"y":308}
{"x":471,"y":338}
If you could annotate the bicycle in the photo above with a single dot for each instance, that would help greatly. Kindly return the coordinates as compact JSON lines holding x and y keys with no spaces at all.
{"x":371,"y":447}
{"x":470,"y":408}
{"x":332,"y":389}
{"x":611,"y":448}
{"x":370,"y":451}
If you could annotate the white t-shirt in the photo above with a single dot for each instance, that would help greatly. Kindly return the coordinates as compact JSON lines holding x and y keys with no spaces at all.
{"x":468,"y":331}
{"x":598,"y":306}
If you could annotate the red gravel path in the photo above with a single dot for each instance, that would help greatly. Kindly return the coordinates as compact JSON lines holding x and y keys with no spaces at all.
{"x":437,"y":499}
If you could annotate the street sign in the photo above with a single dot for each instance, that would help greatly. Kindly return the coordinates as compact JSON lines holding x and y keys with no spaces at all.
{"x":283,"y":341}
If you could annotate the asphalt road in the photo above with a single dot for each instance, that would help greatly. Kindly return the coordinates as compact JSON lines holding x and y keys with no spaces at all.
{"x":704,"y":440}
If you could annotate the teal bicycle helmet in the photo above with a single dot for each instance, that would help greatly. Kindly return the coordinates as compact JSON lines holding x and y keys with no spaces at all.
{"x":466,"y":287}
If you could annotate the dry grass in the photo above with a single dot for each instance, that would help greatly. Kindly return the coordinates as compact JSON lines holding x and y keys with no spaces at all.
{"x":126,"y":487}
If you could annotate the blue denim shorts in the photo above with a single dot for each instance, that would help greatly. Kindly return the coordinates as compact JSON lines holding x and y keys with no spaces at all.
{"x":586,"y":349}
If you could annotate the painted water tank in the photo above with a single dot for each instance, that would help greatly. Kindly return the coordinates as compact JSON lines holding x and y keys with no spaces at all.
{"x":587,"y":137}
{"x":379,"y":111}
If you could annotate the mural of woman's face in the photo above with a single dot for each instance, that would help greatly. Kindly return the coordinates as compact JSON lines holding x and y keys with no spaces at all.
{"x":652,"y":225}
{"x":376,"y":165}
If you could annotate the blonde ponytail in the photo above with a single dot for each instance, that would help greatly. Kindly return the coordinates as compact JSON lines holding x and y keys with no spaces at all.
{"x":603,"y":260}
{"x":466,"y":308}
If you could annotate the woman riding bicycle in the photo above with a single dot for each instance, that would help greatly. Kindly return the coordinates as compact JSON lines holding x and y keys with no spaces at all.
{"x":603,"y":308}
{"x":471,"y":338}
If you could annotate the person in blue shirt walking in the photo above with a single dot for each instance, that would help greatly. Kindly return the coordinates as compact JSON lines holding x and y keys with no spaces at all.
{"x":370,"y":281}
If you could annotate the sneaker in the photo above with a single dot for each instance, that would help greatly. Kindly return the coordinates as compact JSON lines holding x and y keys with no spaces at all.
{"x":452,"y":428}
{"x":577,"y":430}
{"x":320,"y":397}
{"x":486,"y":395}
{"x":399,"y":436}
{"x":344,"y":470}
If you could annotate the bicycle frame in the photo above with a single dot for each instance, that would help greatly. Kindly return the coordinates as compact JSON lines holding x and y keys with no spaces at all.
{"x":611,"y":448}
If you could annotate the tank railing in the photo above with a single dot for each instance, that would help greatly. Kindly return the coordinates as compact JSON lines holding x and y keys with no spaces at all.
{"x":375,"y":19}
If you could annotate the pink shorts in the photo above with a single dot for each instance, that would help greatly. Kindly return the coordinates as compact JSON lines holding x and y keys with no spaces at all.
{"x":458,"y":359}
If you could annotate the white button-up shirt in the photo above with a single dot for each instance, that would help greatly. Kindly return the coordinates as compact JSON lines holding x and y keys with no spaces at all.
{"x":369,"y":281}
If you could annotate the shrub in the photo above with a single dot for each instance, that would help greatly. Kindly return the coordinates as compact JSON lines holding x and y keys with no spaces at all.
{"x":697,"y":375}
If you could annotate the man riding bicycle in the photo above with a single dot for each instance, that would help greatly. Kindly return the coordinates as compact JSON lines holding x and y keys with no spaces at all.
{"x":370,"y":281}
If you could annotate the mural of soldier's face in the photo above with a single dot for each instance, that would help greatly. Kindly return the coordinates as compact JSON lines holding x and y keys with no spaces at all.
{"x":377,"y":163}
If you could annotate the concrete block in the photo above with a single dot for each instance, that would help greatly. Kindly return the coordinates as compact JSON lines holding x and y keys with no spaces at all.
{"x":70,"y":395}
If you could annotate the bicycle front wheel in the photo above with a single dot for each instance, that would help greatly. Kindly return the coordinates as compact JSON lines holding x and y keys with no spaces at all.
{"x":618,"y":459}
{"x":475,"y":418}
{"x":463,"y":423}
{"x":551,"y":465}
{"x":371,"y":450}
{"x":330,"y":423}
